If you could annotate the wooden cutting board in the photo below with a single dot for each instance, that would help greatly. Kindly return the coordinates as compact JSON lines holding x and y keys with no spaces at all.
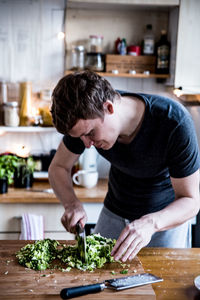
{"x":17,"y":282}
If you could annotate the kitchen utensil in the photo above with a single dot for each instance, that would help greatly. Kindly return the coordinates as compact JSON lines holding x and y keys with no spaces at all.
{"x":81,"y":238}
{"x":49,"y":191}
{"x":116,"y":284}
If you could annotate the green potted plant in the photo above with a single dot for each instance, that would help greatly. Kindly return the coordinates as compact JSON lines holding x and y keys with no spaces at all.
{"x":23,"y":175}
{"x":8,"y":163}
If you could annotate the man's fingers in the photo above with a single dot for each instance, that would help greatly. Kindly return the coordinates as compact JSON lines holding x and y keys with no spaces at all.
{"x":83,"y":221}
{"x":132,"y":250}
{"x":120,"y":240}
{"x":124,"y":246}
{"x":135,"y":251}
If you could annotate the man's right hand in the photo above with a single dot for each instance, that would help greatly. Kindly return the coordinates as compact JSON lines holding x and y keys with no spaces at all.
{"x":73,"y":215}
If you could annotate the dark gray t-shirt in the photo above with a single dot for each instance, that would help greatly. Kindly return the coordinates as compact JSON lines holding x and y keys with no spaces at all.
{"x":166,"y":145}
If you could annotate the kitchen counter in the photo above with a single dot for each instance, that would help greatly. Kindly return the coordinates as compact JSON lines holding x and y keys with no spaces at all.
{"x":178,"y":268}
{"x":36,"y":195}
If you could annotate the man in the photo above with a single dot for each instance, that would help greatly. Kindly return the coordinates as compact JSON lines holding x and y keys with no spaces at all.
{"x":151,"y":144}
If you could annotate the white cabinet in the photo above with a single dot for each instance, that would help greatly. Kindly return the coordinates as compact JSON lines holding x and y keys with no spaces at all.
{"x":187,"y":73}
{"x":10,"y":218}
{"x":127,"y":18}
{"x":113,"y":19}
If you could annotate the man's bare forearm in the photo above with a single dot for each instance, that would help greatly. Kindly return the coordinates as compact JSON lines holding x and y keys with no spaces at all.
{"x":174,"y":214}
{"x":61,"y":182}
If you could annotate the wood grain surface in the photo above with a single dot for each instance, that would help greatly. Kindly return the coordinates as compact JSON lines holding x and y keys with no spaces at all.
{"x":178,"y":268}
{"x":17,"y":282}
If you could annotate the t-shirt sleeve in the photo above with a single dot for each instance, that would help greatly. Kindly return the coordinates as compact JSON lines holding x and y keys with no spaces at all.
{"x":183,"y":150}
{"x":75,"y":145}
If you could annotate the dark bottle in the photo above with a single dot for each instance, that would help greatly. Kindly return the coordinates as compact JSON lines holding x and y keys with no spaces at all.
{"x":162,"y":54}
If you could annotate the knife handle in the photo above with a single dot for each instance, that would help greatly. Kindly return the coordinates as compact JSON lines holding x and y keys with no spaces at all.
{"x":69,"y":293}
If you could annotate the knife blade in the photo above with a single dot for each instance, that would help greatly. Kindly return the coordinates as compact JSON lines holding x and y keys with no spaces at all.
{"x":81,"y":239}
{"x":49,"y":191}
{"x":115,"y":284}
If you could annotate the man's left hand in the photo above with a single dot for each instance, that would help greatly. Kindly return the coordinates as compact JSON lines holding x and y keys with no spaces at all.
{"x":135,"y":236}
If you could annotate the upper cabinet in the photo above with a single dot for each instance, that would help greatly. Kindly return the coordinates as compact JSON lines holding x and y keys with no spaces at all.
{"x":187,"y":73}
{"x":128,"y":18}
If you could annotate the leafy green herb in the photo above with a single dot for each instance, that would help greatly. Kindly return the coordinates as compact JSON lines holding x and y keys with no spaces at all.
{"x":125,"y":271}
{"x":38,"y":256}
{"x":113,"y":272}
{"x":98,"y":253}
{"x":7,"y":166}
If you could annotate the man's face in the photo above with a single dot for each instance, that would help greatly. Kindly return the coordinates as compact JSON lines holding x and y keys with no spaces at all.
{"x":100,"y":133}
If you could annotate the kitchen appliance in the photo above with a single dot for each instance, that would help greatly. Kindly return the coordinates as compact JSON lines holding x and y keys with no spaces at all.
{"x":81,"y":239}
{"x":88,"y":159}
{"x":117,"y":284}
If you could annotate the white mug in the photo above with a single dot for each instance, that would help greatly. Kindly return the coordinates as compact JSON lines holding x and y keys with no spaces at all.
{"x":85,"y":178}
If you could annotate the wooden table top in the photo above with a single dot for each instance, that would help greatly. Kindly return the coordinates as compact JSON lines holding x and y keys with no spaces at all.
{"x":178,"y":268}
{"x":35,"y":195}
{"x":20,"y":283}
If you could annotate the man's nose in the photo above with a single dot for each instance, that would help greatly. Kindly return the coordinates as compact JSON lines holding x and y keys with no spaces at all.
{"x":87,"y":141}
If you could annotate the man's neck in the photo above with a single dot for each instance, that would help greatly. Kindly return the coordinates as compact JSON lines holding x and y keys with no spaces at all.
{"x":131,"y":114}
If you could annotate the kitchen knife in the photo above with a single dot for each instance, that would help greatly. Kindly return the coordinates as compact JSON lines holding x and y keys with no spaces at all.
{"x":81,"y":239}
{"x":49,"y":191}
{"x":116,"y":284}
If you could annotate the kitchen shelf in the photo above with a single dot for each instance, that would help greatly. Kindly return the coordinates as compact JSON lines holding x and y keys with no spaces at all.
{"x":126,"y":75}
{"x":26,"y":129}
{"x":84,"y":4}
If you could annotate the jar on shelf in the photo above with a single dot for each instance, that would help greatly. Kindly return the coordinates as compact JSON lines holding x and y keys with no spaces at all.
{"x":11,"y":114}
{"x":78,"y":58}
{"x":96,"y":44}
{"x":95,"y":62}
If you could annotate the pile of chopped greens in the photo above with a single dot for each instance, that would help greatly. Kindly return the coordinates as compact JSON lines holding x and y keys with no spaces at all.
{"x":39,"y":256}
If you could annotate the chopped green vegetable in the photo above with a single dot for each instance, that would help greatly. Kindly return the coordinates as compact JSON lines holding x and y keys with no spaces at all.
{"x":113,"y":272}
{"x":98,"y":253}
{"x":125,"y":271}
{"x":39,"y":256}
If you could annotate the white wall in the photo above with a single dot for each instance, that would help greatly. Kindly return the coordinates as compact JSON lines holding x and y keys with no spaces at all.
{"x":29,"y":47}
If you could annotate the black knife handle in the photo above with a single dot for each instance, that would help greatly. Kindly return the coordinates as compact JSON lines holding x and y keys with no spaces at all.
{"x":69,"y":293}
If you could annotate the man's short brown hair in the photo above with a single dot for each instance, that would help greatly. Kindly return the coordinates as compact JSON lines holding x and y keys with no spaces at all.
{"x":79,"y":96}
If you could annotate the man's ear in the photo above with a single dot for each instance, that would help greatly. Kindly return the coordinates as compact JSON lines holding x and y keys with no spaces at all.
{"x":108,"y":107}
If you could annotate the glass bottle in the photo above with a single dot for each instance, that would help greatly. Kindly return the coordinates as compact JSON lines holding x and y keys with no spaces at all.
{"x":162,"y":54}
{"x":123,"y":47}
{"x":78,"y":58}
{"x":26,"y":103}
{"x":11,"y":114}
{"x":148,"y":41}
